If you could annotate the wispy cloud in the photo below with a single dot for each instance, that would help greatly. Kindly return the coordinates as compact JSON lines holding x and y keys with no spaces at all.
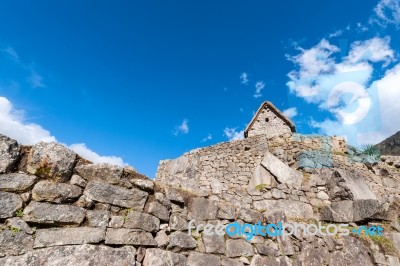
{"x":11,"y":53}
{"x":336,"y":34}
{"x":13,"y":124}
{"x":244,"y":79}
{"x":183,"y":128}
{"x":259,"y":87}
{"x":232,"y":134}
{"x":35,"y":80}
{"x":209,"y":137}
{"x":386,"y":12}
{"x":290,"y":112}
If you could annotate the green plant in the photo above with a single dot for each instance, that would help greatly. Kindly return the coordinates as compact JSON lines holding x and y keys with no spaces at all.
{"x":261,"y":186}
{"x":371,"y":150}
{"x":15,"y":229}
{"x":19,"y":213}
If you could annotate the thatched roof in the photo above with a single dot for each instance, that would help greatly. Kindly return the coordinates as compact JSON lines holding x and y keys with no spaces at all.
{"x":277,"y":113}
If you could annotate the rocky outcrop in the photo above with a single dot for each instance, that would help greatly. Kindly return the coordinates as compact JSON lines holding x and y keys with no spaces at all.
{"x":58,"y":210}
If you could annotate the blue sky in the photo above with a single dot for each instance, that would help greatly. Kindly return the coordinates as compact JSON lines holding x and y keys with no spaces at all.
{"x":139,"y":81}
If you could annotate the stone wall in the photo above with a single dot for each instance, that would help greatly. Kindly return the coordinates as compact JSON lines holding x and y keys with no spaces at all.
{"x":268,"y":123}
{"x":58,"y":209}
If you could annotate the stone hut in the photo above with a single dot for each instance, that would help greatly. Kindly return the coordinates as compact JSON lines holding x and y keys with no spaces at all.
{"x":269,"y":121}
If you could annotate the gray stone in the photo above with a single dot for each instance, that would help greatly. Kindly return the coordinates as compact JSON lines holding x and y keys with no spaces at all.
{"x":158,"y":210}
{"x":266,"y":250}
{"x":78,"y":181}
{"x":201,"y":259}
{"x":314,"y":256}
{"x":103,"y":172}
{"x":322,"y":195}
{"x":238,"y":247}
{"x":225,"y":261}
{"x":143,"y":184}
{"x":174,"y":196}
{"x":291,"y":208}
{"x":46,"y":213}
{"x":123,"y":236}
{"x":214,"y":243}
{"x":9,"y":153}
{"x":257,"y":260}
{"x":315,"y":159}
{"x":159,"y":257}
{"x":14,"y":242}
{"x":115,"y":195}
{"x":16,"y":182}
{"x":162,"y":239}
{"x":98,"y":217}
{"x":9,"y":204}
{"x":18,"y":224}
{"x":161,"y":198}
{"x":55,"y":192}
{"x":82,"y":255}
{"x":201,"y":209}
{"x":351,"y":211}
{"x":177,"y":222}
{"x":51,"y":160}
{"x":285,"y":245}
{"x":282,"y":171}
{"x":395,"y":238}
{"x":250,"y":216}
{"x":116,"y":221}
{"x":354,"y":252}
{"x":226,"y":211}
{"x":181,"y":241}
{"x":68,"y":236}
{"x":141,"y":220}
{"x":261,"y":177}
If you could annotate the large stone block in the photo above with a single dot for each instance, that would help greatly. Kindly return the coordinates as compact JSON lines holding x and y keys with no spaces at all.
{"x":291,"y":208}
{"x":238,"y":248}
{"x":159,"y":257}
{"x":201,"y":209}
{"x":46,"y":213}
{"x":9,"y":153}
{"x":82,"y":255}
{"x":351,"y":211}
{"x":17,"y":182}
{"x":51,"y":160}
{"x":201,"y":259}
{"x":141,"y":220}
{"x":123,"y":236}
{"x":181,"y":241}
{"x":55,"y":192}
{"x":115,"y":195}
{"x":158,"y":210}
{"x":261,"y":177}
{"x":9,"y":204}
{"x":68,"y":236}
{"x":283,"y":173}
{"x":103,"y":172}
{"x":14,"y":243}
{"x":354,"y":252}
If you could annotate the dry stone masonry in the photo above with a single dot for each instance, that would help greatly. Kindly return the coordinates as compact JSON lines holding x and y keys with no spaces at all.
{"x":59,"y":209}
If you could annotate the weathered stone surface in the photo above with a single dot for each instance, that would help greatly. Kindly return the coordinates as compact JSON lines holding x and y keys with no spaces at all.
{"x":143,"y":184}
{"x":115,"y":195}
{"x":82,"y":255}
{"x":311,"y":256}
{"x":354,"y":252}
{"x":285,"y":245}
{"x":226,"y":211}
{"x":282,"y":171}
{"x":225,"y":261}
{"x":162,"y":239}
{"x":9,"y":204}
{"x":68,"y":236}
{"x":250,"y":216}
{"x":266,"y":250}
{"x":159,"y":257}
{"x":261,"y":177}
{"x":238,"y":247}
{"x":350,"y":211}
{"x":141,"y":220}
{"x":290,"y":207}
{"x":257,"y":260}
{"x":9,"y":153}
{"x":55,"y":192}
{"x":100,"y":172}
{"x":174,"y":196}
{"x":116,"y":221}
{"x":181,"y":241}
{"x":14,"y":242}
{"x":201,"y":259}
{"x":98,"y":217}
{"x":158,"y":210}
{"x":16,"y":182}
{"x":214,"y":243}
{"x":177,"y":222}
{"x":18,"y":224}
{"x":201,"y":209}
{"x":51,"y":160}
{"x":46,"y":213}
{"x":123,"y":236}
{"x":161,"y":198}
{"x":315,"y":159}
{"x":78,"y":181}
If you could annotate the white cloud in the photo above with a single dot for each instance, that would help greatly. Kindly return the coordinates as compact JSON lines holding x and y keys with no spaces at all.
{"x":14,"y":125}
{"x":259,"y":87}
{"x":209,"y":137}
{"x":12,"y":53}
{"x":36,"y":80}
{"x":336,"y":34}
{"x":386,"y":12}
{"x":232,"y":134}
{"x":345,"y":87}
{"x":90,"y":155}
{"x":290,"y":112}
{"x":244,"y":79}
{"x":183,"y":128}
